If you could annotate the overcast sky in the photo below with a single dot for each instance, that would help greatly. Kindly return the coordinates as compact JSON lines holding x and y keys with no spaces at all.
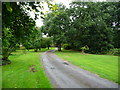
{"x":39,"y":21}
{"x":65,"y":2}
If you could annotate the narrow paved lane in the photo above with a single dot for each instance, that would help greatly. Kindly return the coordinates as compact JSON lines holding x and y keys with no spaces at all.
{"x":65,"y":75}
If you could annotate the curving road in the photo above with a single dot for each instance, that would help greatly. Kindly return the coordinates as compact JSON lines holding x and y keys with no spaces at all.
{"x":65,"y":75}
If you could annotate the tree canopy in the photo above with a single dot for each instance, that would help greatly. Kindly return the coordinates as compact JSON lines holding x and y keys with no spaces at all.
{"x":85,"y":23}
{"x":19,"y":28}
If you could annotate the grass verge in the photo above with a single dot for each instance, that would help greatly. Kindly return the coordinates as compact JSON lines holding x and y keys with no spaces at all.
{"x":25,"y":71}
{"x":105,"y":66}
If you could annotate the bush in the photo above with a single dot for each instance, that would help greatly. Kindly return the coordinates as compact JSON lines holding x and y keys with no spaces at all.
{"x":23,"y":49}
{"x":66,"y":46}
{"x":114,"y":52}
{"x":85,"y":48}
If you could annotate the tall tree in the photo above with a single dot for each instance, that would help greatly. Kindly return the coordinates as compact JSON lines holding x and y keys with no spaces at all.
{"x":46,"y":42}
{"x":34,"y":40}
{"x":17,"y":24}
{"x":16,"y":27}
{"x":89,"y":27}
{"x":57,"y":25}
{"x":94,"y":24}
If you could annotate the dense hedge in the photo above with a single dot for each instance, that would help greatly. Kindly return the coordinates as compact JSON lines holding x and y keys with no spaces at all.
{"x":67,"y":46}
{"x":114,"y":52}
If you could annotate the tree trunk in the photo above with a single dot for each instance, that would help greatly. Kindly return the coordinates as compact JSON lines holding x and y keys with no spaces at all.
{"x":83,"y":52}
{"x":39,"y":49}
{"x":5,"y":58}
{"x":5,"y":54}
{"x":36,"y":50}
{"x":59,"y":47}
{"x":48,"y":47}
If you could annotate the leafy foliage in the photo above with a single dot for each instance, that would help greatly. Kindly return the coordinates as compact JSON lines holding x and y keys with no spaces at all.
{"x":85,"y":48}
{"x":67,"y":46}
{"x":46,"y":42}
{"x":55,"y":25}
{"x":85,"y":23}
{"x":17,"y":27}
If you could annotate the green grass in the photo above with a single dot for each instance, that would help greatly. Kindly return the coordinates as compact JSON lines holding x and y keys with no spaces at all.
{"x":0,"y":79}
{"x":19,"y":73}
{"x":105,"y":66}
{"x":46,"y":49}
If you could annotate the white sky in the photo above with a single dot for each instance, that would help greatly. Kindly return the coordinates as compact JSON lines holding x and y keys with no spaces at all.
{"x":39,"y":22}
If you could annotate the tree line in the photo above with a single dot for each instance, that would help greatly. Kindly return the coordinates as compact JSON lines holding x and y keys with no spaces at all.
{"x":91,"y":24}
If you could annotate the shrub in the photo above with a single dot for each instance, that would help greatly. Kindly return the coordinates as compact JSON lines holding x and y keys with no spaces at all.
{"x":114,"y":52}
{"x":66,"y":46}
{"x":85,"y":48}
{"x":23,"y":49}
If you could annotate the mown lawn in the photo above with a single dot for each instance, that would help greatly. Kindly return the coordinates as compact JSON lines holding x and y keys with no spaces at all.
{"x":105,"y":66}
{"x":25,"y":71}
{"x":0,"y":78}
